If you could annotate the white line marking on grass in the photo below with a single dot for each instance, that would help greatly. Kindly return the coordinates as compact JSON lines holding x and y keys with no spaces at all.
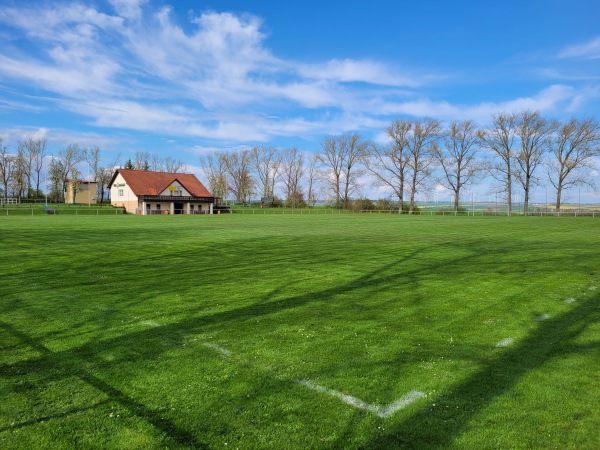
{"x":150,"y":323}
{"x":221,"y":350}
{"x":570,"y":300}
{"x":543,"y":317}
{"x":381,"y":411}
{"x":505,"y":342}
{"x":592,"y":288}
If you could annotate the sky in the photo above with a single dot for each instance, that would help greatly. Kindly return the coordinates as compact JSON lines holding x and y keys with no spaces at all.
{"x":184,"y":78}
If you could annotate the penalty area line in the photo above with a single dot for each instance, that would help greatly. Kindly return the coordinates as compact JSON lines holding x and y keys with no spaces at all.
{"x":221,"y":350}
{"x":381,"y":411}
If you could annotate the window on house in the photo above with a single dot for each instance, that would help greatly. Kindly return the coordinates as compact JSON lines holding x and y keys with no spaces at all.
{"x":158,"y":206}
{"x":120,"y":192}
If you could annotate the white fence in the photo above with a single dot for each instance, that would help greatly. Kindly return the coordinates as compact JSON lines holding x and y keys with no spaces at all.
{"x":23,"y":211}
{"x":317,"y":211}
{"x":63,"y":211}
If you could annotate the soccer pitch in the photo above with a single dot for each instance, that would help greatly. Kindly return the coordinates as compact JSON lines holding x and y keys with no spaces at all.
{"x":299,"y":331}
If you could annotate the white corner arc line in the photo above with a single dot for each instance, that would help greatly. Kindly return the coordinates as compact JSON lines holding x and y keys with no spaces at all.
{"x":381,"y":411}
{"x":505,"y":342}
{"x":221,"y":350}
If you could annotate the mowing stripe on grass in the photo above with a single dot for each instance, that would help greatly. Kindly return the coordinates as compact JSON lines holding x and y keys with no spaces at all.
{"x":381,"y":411}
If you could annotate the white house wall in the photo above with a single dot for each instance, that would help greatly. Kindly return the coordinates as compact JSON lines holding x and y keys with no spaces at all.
{"x":121,"y":195}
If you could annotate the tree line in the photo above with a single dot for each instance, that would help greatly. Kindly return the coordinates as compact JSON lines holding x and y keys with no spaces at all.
{"x":25,"y":172}
{"x":519,"y":151}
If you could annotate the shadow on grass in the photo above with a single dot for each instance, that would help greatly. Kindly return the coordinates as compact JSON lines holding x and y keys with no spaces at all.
{"x":136,"y":408}
{"x":72,"y":411}
{"x":427,"y":428}
{"x":147,"y":345}
{"x":437,"y":426}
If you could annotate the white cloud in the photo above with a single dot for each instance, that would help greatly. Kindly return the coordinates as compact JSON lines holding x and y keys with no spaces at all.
{"x":566,"y":75}
{"x":58,"y":137}
{"x":348,"y":70}
{"x":547,"y":100}
{"x":82,"y":78}
{"x":66,"y":23}
{"x":129,"y":9}
{"x":587,"y":50}
{"x":214,"y":78}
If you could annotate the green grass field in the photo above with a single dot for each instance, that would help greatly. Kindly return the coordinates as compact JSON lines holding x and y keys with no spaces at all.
{"x":298,"y":331}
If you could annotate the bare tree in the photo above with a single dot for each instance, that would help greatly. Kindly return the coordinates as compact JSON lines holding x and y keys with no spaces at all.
{"x":574,"y":146}
{"x":333,"y":158}
{"x":37,"y":156}
{"x":98,"y":174}
{"x":266,"y":161}
{"x":457,"y":157}
{"x":534,"y":133}
{"x":75,"y":181}
{"x":240,"y":182}
{"x":357,"y":148}
{"x":56,"y":175}
{"x":6,"y":167}
{"x":173,"y":165}
{"x":499,"y":138}
{"x":344,"y":155}
{"x":103,"y":177}
{"x":32,"y":152}
{"x":92,"y":157}
{"x":388,"y":164}
{"x":156,"y":163}
{"x":312,"y":176}
{"x":421,"y":143}
{"x":214,"y":166}
{"x":141,"y":161}
{"x":292,"y":166}
{"x":20,"y":176}
{"x":61,"y":168}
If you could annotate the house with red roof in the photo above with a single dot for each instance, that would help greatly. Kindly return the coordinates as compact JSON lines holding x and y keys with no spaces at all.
{"x":144,"y":192}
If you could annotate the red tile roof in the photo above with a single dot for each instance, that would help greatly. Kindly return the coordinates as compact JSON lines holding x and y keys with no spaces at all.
{"x":144,"y":182}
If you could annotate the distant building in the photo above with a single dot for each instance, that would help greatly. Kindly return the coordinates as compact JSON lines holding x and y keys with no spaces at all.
{"x":81,"y":192}
{"x":144,"y":192}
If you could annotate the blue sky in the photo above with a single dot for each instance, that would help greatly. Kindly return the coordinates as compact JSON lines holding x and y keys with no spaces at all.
{"x":182,"y":78}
